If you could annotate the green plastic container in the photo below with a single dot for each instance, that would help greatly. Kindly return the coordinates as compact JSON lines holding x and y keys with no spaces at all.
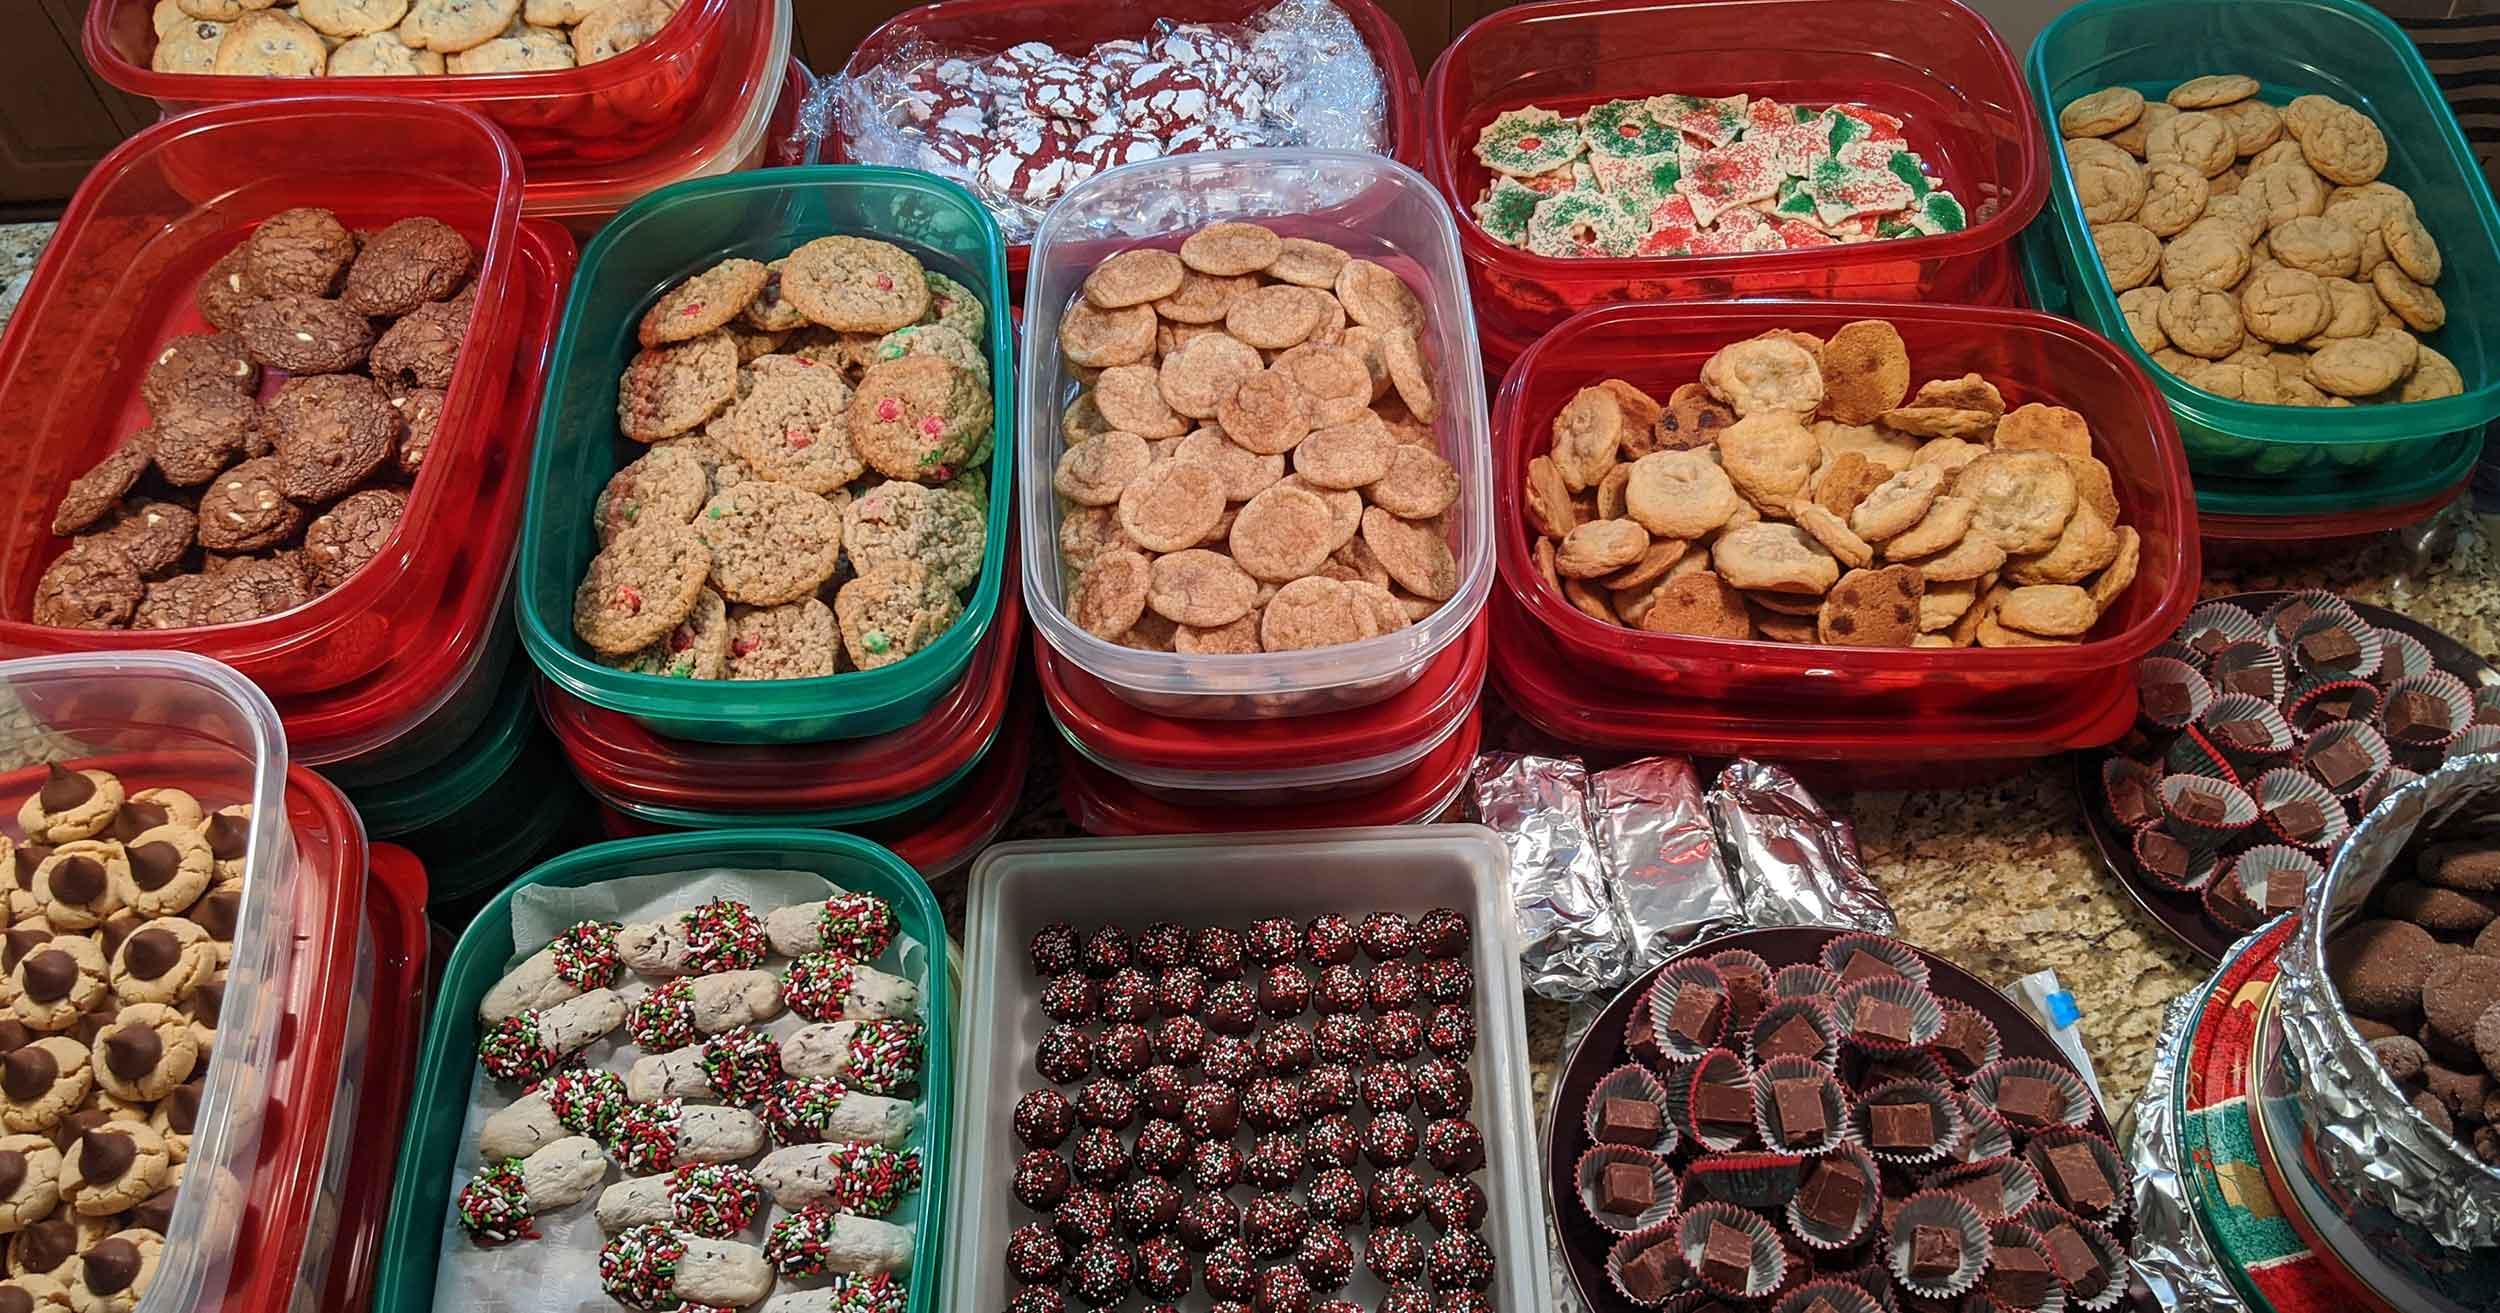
{"x":433,"y":1155}
{"x":665,"y":236}
{"x":467,"y":774}
{"x":2259,"y":460}
{"x":838,"y":819}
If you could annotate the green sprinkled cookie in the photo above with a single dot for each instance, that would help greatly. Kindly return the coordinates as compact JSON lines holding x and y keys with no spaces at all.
{"x":1578,"y":222}
{"x":1524,"y":142}
{"x":1505,"y":209}
{"x":1624,"y":128}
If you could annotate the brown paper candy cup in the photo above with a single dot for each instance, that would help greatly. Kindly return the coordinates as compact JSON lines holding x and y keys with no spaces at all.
{"x":1932,"y":1208}
{"x":1664,"y":997}
{"x":1984,"y":1134}
{"x":2314,"y":704}
{"x":2205,"y":813}
{"x":2285,"y":795}
{"x":1629,"y":1247}
{"x":1987,"y":1081}
{"x":2322,"y":757}
{"x":2361,"y":662}
{"x":1903,"y":959}
{"x":1853,"y":1158}
{"x":1804,"y":980}
{"x":2113,"y":1171}
{"x":1717,"y":1067}
{"x":2131,"y":790}
{"x":1828,"y":1292}
{"x":1943,"y":1116}
{"x":1926,"y":1015}
{"x":1764,"y":1274}
{"x":1590,"y":1173}
{"x":1839,"y":1121}
{"x":2017,"y":1187}
{"x":1776,"y":1017}
{"x":2170,"y":695}
{"x":1632,"y":1081}
{"x":2250,"y":732}
{"x":2285,"y":619}
{"x":2156,"y":850}
{"x":2401,"y":718}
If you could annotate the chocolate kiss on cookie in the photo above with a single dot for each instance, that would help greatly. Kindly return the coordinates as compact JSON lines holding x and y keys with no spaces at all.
{"x":154,"y":865}
{"x":75,"y":1126}
{"x":227,"y":836}
{"x":78,"y":880}
{"x":15,"y":1035}
{"x":135,"y":819}
{"x":46,"y":1245}
{"x":26,"y":1074}
{"x":155,"y":1213}
{"x":149,"y":954}
{"x":115,"y":929}
{"x":208,"y":1000}
{"x":64,"y":789}
{"x":131,"y":1052}
{"x":182,"y":1108}
{"x":12,"y":1171}
{"x":18,"y":942}
{"x":216,"y":913}
{"x":27,"y":858}
{"x":112,"y":1265}
{"x":104,"y":1155}
{"x":50,"y":975}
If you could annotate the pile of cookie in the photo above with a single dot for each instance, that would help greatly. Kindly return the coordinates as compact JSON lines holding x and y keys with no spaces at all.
{"x":1674,"y":175}
{"x":2419,"y":976}
{"x":397,"y":38}
{"x":1022,"y":126}
{"x":1757,"y":502}
{"x":2264,"y":736}
{"x":688,"y":1117}
{"x":1835,"y":1134}
{"x":1196,"y":1077}
{"x":817,"y":427}
{"x":284,"y":497}
{"x":1211,"y":371}
{"x":122,"y":907}
{"x":2254,"y":250}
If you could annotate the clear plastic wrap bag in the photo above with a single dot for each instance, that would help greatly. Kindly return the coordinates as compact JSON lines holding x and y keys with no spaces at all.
{"x":1020,"y":126}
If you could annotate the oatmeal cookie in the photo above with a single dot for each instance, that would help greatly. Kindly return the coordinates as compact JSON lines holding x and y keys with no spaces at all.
{"x":794,"y":427}
{"x":770,"y":543}
{"x":675,"y":389}
{"x":892,"y":611}
{"x":795,"y":640}
{"x":902,"y":521}
{"x":919,"y":418}
{"x":640,"y":585}
{"x":856,"y":284}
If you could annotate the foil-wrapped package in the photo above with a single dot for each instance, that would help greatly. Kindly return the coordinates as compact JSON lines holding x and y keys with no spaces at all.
{"x":2369,"y":1137}
{"x":1571,"y":930}
{"x":1797,"y":864}
{"x":1020,"y":126}
{"x":2169,"y":1252}
{"x":1653,"y":830}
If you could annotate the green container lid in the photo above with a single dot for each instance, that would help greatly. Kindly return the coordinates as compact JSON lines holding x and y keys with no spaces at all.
{"x":468,"y":774}
{"x":660,"y":239}
{"x":435,"y":1158}
{"x":2261,"y":460}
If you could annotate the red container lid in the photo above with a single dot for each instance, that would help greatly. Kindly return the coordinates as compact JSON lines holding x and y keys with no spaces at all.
{"x":1116,"y":731}
{"x":116,"y":281}
{"x":420,"y":673}
{"x":1103,"y":803}
{"x":394,"y":1029}
{"x":989,"y":26}
{"x":938,"y":838}
{"x":565,"y":121}
{"x":618,"y":757}
{"x":1571,"y":703}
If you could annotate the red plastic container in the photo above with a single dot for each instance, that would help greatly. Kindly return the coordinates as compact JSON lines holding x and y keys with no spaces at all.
{"x":1105,"y":804}
{"x":428,"y":695}
{"x":938,"y":839}
{"x":1265,"y":762}
{"x":116,"y":282}
{"x":1582,"y":707}
{"x":397,"y":943}
{"x":618,"y":758}
{"x":989,"y":26}
{"x":616,"y":109}
{"x":2029,"y":356}
{"x":1933,"y":63}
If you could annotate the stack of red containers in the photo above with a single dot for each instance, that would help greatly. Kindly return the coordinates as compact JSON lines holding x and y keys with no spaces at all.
{"x":384,"y":675}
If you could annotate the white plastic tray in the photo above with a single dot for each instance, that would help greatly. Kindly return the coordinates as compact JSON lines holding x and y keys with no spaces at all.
{"x":1232,"y":880}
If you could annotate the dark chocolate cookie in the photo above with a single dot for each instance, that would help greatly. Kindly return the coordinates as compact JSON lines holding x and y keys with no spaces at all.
{"x":170,"y":603}
{"x":331,"y":431}
{"x":250,"y":589}
{"x":420,"y":409}
{"x":340,"y":540}
{"x":155,"y":535}
{"x":420,"y":350}
{"x":406,"y":265}
{"x":302,"y":250}
{"x":2452,"y":911}
{"x":225,"y":291}
{"x":93,"y":494}
{"x":88,"y":587}
{"x":247,"y":509}
{"x":203,"y":430}
{"x":2455,"y":995}
{"x":306,"y":334}
{"x":2380,"y":965}
{"x":193,"y":359}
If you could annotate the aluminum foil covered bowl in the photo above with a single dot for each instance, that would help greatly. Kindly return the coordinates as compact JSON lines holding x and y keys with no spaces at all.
{"x":2372,"y":1136}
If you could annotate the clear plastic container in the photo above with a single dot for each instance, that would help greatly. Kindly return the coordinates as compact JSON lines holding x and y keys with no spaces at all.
{"x":620,"y":758}
{"x":1018,"y":888}
{"x":1581,"y":706}
{"x":1101,"y":802}
{"x":2029,"y":356}
{"x":170,"y":719}
{"x":116,"y":281}
{"x":2289,"y":460}
{"x":1265,"y":762}
{"x":616,"y":109}
{"x":662,"y":238}
{"x":1371,"y":207}
{"x":1933,"y":63}
{"x":989,"y":26}
{"x":434,"y":1152}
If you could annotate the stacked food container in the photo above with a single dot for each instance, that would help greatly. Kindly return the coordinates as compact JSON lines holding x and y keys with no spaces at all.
{"x":1932,"y":63}
{"x":321,"y":998}
{"x":2272,"y":473}
{"x":1374,"y":732}
{"x":842,"y":750}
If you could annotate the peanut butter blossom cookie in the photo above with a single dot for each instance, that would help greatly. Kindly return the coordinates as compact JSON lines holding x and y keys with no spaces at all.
{"x":816,"y":421}
{"x":1690,"y":175}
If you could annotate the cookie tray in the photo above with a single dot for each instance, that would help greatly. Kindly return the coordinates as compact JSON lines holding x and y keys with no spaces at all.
{"x":1933,"y":63}
{"x":2317,"y":459}
{"x":1018,"y":888}
{"x":2028,"y":355}
{"x":617,"y":109}
{"x":434,"y":1156}
{"x":663,"y":237}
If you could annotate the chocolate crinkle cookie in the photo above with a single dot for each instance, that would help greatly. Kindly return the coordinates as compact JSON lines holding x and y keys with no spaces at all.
{"x":281,"y":444}
{"x":2420,"y":980}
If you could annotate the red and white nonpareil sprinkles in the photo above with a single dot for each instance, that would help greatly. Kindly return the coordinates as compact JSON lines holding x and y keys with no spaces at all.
{"x":494,"y":1206}
{"x":743,"y":1065}
{"x":714,"y":1199}
{"x":639,"y":1267}
{"x":585,"y":955}
{"x":725,"y":935}
{"x":884,"y":1055}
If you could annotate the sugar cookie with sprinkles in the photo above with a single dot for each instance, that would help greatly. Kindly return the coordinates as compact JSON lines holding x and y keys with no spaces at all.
{"x":1526,"y":142}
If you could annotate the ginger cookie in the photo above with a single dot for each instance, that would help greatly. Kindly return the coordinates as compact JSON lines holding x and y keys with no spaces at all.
{"x":1198,"y":378}
{"x":1314,"y":612}
{"x":1172,"y":506}
{"x":640,"y":585}
{"x":1415,"y":554}
{"x":1345,"y":456}
{"x":1131,"y":398}
{"x":1111,"y":594}
{"x":1266,"y":414}
{"x":769,"y":542}
{"x":1282,"y":534}
{"x":1276,"y":316}
{"x":702,"y":303}
{"x":1230,"y":249}
{"x":1202,"y":299}
{"x":2101,"y":112}
{"x":1418,"y":484}
{"x":1199,"y":588}
{"x":856,"y":284}
{"x":1134,"y":277}
{"x":1093,"y":472}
